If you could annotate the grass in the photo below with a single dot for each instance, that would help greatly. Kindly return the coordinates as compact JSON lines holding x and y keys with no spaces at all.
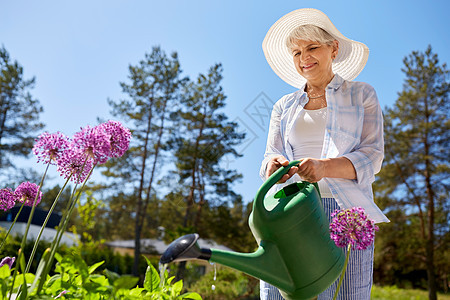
{"x":394,"y":293}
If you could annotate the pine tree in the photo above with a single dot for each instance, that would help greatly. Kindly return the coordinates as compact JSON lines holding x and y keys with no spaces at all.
{"x":153,"y":91}
{"x":206,"y":137}
{"x":19,"y":111}
{"x":414,"y":181}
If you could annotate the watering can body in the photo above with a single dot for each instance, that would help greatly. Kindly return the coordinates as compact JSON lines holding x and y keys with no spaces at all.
{"x":295,"y":251}
{"x":293,"y":221}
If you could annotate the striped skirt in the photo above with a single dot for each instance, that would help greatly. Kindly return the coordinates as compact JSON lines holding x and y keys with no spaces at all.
{"x":357,"y":281}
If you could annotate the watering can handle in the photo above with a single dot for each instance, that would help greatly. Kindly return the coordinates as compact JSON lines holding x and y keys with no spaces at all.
{"x":274,"y":178}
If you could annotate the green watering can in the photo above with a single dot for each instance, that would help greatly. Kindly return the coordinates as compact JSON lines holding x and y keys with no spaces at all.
{"x":295,"y":251}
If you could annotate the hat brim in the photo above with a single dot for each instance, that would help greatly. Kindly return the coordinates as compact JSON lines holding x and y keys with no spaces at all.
{"x":350,"y":61}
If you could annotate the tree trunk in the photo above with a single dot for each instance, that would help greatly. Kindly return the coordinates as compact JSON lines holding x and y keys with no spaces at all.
{"x":190,"y":199}
{"x":2,"y":123}
{"x":137,"y":251}
{"x":139,"y":213}
{"x":4,"y":113}
{"x":198,"y":216}
{"x":157,"y":148}
{"x":190,"y":204}
{"x":432,"y":293}
{"x":201,"y":201}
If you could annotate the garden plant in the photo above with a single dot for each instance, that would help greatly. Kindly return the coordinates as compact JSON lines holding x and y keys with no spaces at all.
{"x":75,"y":159}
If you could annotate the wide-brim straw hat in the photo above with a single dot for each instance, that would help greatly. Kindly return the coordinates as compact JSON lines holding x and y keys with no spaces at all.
{"x":349,"y":62}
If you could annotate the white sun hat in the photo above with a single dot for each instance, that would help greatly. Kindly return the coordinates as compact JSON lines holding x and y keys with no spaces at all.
{"x":350,"y":61}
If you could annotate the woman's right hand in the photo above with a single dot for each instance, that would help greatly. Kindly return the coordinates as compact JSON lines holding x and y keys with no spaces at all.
{"x":277,"y":162}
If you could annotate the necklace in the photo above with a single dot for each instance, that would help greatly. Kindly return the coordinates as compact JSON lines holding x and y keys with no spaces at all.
{"x":321,"y":102}
{"x":320,"y":96}
{"x":311,"y":95}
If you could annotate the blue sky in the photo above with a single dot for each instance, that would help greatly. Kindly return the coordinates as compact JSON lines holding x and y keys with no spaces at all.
{"x":79,"y":51}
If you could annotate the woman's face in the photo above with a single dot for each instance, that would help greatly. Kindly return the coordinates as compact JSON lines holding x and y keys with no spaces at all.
{"x":313,"y":60}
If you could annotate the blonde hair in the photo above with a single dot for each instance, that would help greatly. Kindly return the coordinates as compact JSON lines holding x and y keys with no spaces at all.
{"x":308,"y":33}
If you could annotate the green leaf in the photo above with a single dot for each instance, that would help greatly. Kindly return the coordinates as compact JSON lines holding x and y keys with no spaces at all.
{"x":99,"y":279}
{"x":149,"y":263}
{"x":23,"y":288}
{"x":58,"y":257}
{"x":41,"y":275}
{"x":4,"y":288}
{"x":152,"y":280}
{"x":170,"y":279}
{"x":191,"y":295}
{"x":137,"y":292}
{"x":95,"y":266}
{"x":126,"y":282}
{"x":177,"y":287}
{"x":43,"y":297}
{"x":21,"y":279}
{"x":53,"y":284}
{"x":112,"y":276}
{"x":22,"y":263}
{"x":52,"y":279}
{"x":81,"y":265}
{"x":92,"y":288}
{"x":5,"y":272}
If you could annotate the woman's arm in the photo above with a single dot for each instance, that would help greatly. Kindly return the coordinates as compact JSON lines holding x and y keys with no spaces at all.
{"x":367,"y":157}
{"x":275,"y":156}
{"x":363,"y":162}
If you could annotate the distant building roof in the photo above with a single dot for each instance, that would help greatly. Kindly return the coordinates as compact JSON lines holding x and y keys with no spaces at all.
{"x":48,"y":234}
{"x":158,"y":246}
{"x":38,"y":216}
{"x":6,"y":219}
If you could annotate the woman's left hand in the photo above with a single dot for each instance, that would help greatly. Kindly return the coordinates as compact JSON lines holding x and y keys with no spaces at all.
{"x":311,"y":169}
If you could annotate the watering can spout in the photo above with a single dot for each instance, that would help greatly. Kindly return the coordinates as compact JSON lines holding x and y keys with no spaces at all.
{"x":185,"y":248}
{"x":265,"y":263}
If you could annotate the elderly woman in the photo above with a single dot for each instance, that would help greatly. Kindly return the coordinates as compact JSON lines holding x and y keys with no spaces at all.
{"x":332,"y":124}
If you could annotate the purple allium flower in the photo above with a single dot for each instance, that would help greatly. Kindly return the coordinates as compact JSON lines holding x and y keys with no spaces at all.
{"x":26,"y":193}
{"x":120,"y":137}
{"x":352,"y":226}
{"x":76,"y":163}
{"x":7,"y":261}
{"x":94,"y":142}
{"x":48,"y":147}
{"x":7,"y":199}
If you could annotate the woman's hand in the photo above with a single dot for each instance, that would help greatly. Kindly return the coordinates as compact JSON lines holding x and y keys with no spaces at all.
{"x":277,"y":162}
{"x":311,"y":169}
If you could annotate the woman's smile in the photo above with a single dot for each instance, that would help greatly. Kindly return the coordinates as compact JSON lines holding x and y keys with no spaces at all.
{"x":308,"y":66}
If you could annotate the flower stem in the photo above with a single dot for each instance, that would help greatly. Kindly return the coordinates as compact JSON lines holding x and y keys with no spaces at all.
{"x":349,"y":248}
{"x":36,"y":243}
{"x":24,"y":238}
{"x":43,"y":267}
{"x":61,"y":229}
{"x":66,"y":222}
{"x":12,"y":225}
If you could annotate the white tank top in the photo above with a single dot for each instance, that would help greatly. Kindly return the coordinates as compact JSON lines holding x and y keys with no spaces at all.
{"x":306,"y":139}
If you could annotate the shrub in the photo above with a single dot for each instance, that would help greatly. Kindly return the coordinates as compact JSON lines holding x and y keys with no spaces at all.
{"x":74,"y":279}
{"x":228,"y":284}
